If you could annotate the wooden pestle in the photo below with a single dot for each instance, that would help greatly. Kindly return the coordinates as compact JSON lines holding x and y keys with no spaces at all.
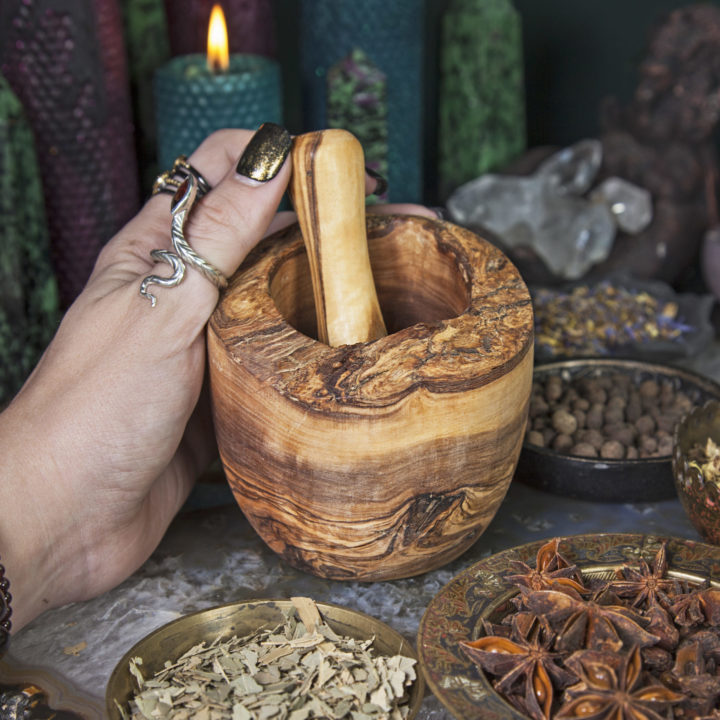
{"x":328,"y":191}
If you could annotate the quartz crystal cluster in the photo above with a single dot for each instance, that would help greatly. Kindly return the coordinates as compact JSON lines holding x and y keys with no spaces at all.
{"x":556,"y":211}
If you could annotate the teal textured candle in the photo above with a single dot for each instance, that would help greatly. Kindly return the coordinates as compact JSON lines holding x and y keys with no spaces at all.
{"x":192,"y":101}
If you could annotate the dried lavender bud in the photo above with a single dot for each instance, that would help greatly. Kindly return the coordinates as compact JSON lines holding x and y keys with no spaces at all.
{"x":602,"y":319}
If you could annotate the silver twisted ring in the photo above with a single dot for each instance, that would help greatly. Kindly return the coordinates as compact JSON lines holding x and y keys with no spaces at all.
{"x":170,"y":180}
{"x":186,"y":195}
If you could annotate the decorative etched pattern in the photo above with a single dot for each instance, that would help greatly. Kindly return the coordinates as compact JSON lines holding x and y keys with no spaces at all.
{"x":699,"y":498}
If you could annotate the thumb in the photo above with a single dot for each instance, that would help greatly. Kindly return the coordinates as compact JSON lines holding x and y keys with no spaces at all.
{"x":229,"y":221}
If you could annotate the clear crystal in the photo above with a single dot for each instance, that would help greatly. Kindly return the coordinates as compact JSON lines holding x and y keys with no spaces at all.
{"x":630,"y":204}
{"x":544,"y":211}
{"x":573,"y":235}
{"x":572,"y":170}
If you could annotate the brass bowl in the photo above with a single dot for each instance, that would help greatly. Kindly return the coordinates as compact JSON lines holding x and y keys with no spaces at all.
{"x":244,"y":618}
{"x":699,"y":498}
{"x":482,"y":592}
{"x":600,"y":479}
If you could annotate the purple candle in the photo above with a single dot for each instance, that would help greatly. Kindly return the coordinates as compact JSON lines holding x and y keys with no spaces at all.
{"x":249,"y":22}
{"x":65,"y":60}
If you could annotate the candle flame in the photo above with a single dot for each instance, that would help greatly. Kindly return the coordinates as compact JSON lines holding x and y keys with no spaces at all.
{"x":218,"y":56}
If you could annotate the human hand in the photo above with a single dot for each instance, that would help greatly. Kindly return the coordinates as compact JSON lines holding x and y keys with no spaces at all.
{"x":104,"y":441}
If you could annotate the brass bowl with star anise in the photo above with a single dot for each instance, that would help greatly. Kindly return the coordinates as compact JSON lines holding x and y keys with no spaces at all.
{"x":621,"y":626}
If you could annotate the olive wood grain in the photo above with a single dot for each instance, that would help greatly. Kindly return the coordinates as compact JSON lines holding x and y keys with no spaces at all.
{"x":383,"y":459}
{"x":328,"y":192}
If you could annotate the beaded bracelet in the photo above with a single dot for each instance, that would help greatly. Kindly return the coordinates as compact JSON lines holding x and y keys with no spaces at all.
{"x":5,"y":610}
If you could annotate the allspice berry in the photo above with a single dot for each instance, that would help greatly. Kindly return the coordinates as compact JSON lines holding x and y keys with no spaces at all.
{"x":564,"y":422}
{"x":612,"y":450}
{"x":610,"y":415}
{"x":583,"y":450}
{"x":535,"y":437}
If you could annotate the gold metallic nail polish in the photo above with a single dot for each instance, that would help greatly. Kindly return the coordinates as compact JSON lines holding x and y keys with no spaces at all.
{"x":265,"y":153}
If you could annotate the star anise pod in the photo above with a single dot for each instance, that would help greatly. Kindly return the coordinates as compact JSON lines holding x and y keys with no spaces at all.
{"x":697,"y":607}
{"x":713,"y":715}
{"x":660,"y":624}
{"x":611,"y":687}
{"x":647,"y":584}
{"x":588,"y":623}
{"x":694,"y":676}
{"x":525,"y":666}
{"x":552,"y":570}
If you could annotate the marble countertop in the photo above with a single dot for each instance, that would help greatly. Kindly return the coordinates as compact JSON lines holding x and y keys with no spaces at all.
{"x":211,"y":556}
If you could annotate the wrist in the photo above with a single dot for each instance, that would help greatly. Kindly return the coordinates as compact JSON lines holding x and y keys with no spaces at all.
{"x":33,"y":551}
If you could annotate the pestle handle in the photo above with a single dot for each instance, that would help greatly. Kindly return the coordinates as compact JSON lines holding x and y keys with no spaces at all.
{"x":328,"y":192}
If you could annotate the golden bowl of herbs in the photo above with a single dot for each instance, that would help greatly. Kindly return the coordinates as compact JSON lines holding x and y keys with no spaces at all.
{"x":291,"y":659}
{"x":696,"y":468}
{"x":609,"y":626}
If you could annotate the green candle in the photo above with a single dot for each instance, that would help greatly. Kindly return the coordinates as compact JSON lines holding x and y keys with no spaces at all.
{"x":482,"y":98}
{"x":28,"y":290}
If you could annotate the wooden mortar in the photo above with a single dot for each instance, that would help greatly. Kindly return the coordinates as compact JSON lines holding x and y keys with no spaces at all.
{"x":379,"y":459}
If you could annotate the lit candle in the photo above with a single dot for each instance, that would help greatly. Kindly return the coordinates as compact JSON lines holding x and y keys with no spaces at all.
{"x":198,"y":94}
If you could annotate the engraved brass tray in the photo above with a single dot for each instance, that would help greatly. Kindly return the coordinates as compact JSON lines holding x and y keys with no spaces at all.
{"x":481,"y":591}
{"x":244,"y":618}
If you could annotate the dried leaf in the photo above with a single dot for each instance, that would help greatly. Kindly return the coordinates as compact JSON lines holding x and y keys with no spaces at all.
{"x":299,"y":670}
{"x":75,"y":649}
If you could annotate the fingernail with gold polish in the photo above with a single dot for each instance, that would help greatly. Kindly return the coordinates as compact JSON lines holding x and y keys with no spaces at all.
{"x":265,"y":153}
{"x":381,"y":184}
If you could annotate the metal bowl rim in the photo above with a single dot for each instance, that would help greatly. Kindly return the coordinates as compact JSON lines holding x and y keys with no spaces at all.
{"x":416,"y":691}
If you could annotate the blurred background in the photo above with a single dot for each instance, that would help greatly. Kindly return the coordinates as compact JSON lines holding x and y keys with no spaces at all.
{"x":98,"y":96}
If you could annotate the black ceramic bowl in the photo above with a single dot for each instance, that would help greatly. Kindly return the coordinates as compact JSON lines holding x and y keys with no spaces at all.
{"x":642,"y":480}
